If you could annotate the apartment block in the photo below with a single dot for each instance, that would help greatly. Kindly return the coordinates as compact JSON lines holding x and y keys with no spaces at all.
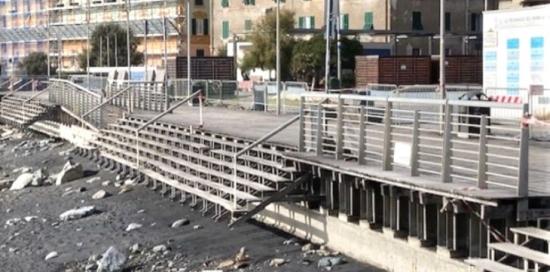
{"x":399,"y":27}
{"x":28,"y":25}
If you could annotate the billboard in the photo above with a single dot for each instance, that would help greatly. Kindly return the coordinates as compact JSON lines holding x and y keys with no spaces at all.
{"x":516,"y":49}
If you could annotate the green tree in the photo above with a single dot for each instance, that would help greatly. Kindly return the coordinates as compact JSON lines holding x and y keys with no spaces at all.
{"x":35,"y":64}
{"x":308,"y":58}
{"x":108,"y":47}
{"x":263,"y":38}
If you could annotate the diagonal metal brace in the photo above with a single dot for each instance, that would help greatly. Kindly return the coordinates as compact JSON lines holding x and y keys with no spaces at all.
{"x":274,"y":198}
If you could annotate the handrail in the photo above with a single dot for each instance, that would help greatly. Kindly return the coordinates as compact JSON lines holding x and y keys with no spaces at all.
{"x":162,"y":114}
{"x":37,"y":94}
{"x":140,"y":128}
{"x":18,"y":89}
{"x":79,"y":119}
{"x":106,"y":101}
{"x":415,"y":100}
{"x":78,"y":87}
{"x":254,"y":144}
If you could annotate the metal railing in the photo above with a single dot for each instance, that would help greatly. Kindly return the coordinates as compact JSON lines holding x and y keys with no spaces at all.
{"x":143,"y":95}
{"x":253,"y":145}
{"x":404,"y":134}
{"x":167,"y":111}
{"x":76,"y":99}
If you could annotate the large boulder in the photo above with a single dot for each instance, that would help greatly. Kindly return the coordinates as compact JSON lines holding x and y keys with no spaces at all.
{"x":112,"y":260}
{"x":71,"y":171}
{"x":22,"y":181}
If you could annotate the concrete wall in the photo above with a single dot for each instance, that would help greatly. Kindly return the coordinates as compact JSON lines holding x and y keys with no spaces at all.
{"x":356,"y":241}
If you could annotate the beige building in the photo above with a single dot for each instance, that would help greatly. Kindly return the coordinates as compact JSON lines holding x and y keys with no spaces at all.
{"x":27,"y":25}
{"x":401,"y":27}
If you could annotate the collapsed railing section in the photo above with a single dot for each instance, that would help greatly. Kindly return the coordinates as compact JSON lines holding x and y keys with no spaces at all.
{"x":77,"y":100}
{"x":462,"y":142}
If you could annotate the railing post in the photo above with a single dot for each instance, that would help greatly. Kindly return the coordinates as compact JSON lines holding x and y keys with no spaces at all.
{"x":415,"y":142}
{"x":386,"y":152}
{"x":301,"y":142}
{"x":446,"y":151}
{"x":523,"y":175}
{"x":339,"y":129}
{"x":319,"y":138}
{"x":361,"y":148}
{"x":482,"y":164}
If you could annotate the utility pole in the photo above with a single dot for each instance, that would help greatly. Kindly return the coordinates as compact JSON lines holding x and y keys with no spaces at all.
{"x":100,"y":51}
{"x":116,"y":50}
{"x":88,"y":41}
{"x":235,"y":53}
{"x":278,"y":57}
{"x":164,"y":36}
{"x":327,"y":43}
{"x":188,"y":19}
{"x":338,"y":42}
{"x":145,"y":55}
{"x":108,"y":51}
{"x":442,"y":50}
{"x":48,"y":37}
{"x":128,"y":41}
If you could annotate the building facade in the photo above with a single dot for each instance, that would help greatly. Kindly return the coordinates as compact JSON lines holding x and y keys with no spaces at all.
{"x":27,"y":26}
{"x":398,"y":27}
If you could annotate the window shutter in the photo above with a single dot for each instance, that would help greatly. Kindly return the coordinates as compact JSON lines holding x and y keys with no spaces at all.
{"x":193,"y":26}
{"x":312,"y":22}
{"x":300,"y":22}
{"x":206,"y":29}
{"x":369,"y":21}
{"x":225,"y":29}
{"x":346,"y":22}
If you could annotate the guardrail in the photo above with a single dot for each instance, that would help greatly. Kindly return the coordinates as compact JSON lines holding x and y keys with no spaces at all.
{"x":76,"y":99}
{"x":399,"y":134}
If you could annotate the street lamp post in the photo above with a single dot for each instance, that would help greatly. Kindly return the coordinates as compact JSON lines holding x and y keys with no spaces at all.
{"x":188,"y":19}
{"x":128,"y":41}
{"x":278,"y":57}
{"x":327,"y":43}
{"x":88,"y":41}
{"x":442,"y":50}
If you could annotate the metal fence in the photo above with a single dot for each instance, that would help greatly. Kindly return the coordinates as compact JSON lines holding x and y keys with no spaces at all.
{"x":76,"y":99}
{"x":455,"y":145}
{"x":141,"y":95}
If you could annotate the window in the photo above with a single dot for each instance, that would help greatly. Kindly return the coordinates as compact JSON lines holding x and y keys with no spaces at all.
{"x":417,"y":20}
{"x":193,"y":26}
{"x":447,"y":21}
{"x":249,"y":2}
{"x":474,"y":22}
{"x":306,"y":22}
{"x":344,"y":21}
{"x":225,"y":29}
{"x":200,"y":53}
{"x":416,"y":52}
{"x":199,"y":2}
{"x":247,"y":25}
{"x":311,"y":24}
{"x":225,"y":3}
{"x":199,"y":26}
{"x":369,"y":21}
{"x":205,"y":26}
